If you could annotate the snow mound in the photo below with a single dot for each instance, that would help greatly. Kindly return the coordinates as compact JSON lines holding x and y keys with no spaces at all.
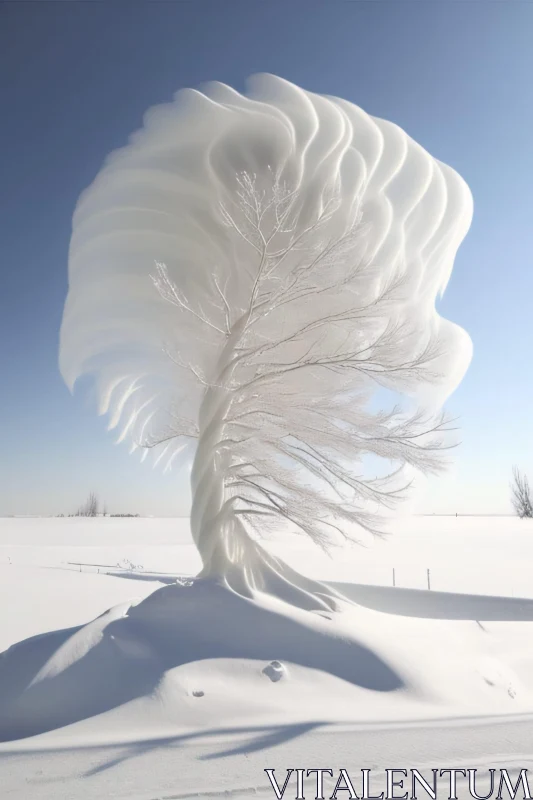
{"x":147,"y":650}
{"x":199,"y":656}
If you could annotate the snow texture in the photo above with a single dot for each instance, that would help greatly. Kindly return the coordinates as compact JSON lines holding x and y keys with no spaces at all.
{"x":158,"y":698}
{"x":137,"y":670}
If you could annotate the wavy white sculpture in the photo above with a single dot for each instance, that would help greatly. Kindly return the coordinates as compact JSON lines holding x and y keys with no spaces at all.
{"x":297,"y":246}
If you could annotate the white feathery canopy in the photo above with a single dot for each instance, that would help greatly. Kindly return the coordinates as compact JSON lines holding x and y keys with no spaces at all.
{"x":164,"y":198}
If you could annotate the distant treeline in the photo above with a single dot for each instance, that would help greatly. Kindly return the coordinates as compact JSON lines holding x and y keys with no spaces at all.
{"x":98,"y":515}
{"x":91,"y":508}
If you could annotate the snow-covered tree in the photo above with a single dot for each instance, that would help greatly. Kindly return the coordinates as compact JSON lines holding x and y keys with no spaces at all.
{"x":297,"y":246}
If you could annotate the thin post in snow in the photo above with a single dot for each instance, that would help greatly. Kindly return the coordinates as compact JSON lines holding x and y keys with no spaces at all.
{"x":429,"y":580}
{"x":393,"y":577}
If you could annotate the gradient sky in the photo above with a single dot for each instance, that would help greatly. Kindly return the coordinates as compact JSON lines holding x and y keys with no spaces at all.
{"x":77,"y":78}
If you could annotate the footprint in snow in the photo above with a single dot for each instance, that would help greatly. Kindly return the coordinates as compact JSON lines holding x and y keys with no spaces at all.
{"x":499,"y":677}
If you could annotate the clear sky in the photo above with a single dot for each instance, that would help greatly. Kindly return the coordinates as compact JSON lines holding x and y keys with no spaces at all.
{"x":76,"y":79}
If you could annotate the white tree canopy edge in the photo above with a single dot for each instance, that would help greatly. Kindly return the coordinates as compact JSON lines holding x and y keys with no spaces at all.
{"x":242,"y":275}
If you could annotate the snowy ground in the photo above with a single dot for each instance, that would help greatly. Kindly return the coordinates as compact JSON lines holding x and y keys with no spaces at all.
{"x":458,"y":690}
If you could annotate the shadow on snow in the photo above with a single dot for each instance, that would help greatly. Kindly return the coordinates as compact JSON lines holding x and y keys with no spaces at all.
{"x":56,"y":679}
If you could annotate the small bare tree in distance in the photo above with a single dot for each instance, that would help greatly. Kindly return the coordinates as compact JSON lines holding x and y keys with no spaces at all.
{"x":521,"y":495}
{"x":89,"y":508}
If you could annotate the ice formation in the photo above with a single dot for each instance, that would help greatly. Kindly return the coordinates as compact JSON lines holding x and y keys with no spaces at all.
{"x":242,"y":275}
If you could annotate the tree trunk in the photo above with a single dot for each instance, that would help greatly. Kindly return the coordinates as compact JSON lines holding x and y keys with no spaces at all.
{"x":228,"y":552}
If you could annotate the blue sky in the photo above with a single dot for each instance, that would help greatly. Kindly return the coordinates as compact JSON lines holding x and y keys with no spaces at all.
{"x":456,"y":76}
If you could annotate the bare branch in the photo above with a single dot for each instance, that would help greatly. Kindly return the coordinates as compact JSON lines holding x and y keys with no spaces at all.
{"x":344,"y":329}
{"x":169,"y":291}
{"x":521,"y":495}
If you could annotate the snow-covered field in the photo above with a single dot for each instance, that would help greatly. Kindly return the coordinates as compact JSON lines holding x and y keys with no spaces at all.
{"x":420,"y":692}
